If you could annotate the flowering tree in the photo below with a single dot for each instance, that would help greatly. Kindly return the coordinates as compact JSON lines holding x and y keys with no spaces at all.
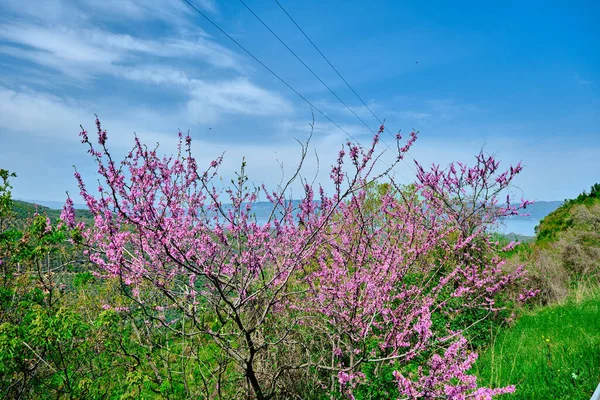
{"x":384,"y":276}
{"x":319,"y":290}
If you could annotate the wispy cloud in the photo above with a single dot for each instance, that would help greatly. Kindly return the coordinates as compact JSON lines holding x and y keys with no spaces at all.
{"x":86,"y":52}
{"x":42,"y":115}
{"x":211,"y":80}
{"x":238,"y":96}
{"x":207,"y":99}
{"x":86,"y":11}
{"x":39,"y":114}
{"x":49,"y":119}
{"x":582,"y":81}
{"x":413,"y":115}
{"x":449,"y":108}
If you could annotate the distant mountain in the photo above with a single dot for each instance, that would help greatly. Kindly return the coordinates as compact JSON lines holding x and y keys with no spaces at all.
{"x":25,"y":209}
{"x":525,"y":224}
{"x":518,"y":224}
{"x":55,"y":205}
{"x":540,"y":209}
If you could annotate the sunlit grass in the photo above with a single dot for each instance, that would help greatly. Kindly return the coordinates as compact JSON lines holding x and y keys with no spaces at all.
{"x":550,"y":353}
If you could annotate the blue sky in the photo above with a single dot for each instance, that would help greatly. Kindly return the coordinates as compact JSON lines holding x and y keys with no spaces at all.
{"x":519,"y":79}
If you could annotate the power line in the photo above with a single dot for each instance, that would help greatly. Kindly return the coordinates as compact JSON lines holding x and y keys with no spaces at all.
{"x":276,"y":75}
{"x":322,"y":82}
{"x":270,"y":70}
{"x":306,"y":66}
{"x":328,"y":62}
{"x":337,"y":72}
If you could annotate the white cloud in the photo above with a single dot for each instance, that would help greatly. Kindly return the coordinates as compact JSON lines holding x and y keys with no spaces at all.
{"x":41,"y":118}
{"x":235,"y":96}
{"x":83,"y":11}
{"x":154,"y":74}
{"x":172,"y":11}
{"x":39,"y":114}
{"x":45,"y":10}
{"x":85,"y":52}
{"x":207,"y":99}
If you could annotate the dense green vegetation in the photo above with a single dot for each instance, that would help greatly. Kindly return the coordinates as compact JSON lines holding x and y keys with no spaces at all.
{"x":65,"y":333}
{"x":565,"y":254}
{"x":553,"y":350}
{"x":562,"y":219}
{"x":59,"y":338}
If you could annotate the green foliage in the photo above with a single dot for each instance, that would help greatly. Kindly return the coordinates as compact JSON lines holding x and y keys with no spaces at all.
{"x":5,"y":194}
{"x":550,"y":353}
{"x":560,"y":219}
{"x":58,"y":341}
{"x":382,"y":384}
{"x":566,"y":252}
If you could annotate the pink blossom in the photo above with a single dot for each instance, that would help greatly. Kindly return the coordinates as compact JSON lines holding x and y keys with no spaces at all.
{"x":365,"y":278}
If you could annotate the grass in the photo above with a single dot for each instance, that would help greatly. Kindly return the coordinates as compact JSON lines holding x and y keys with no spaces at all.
{"x":550,"y":353}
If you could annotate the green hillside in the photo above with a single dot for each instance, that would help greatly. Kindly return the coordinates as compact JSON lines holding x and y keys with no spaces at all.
{"x":561,"y":219}
{"x":22,"y":211}
{"x":566,"y":252}
{"x":553,"y":349}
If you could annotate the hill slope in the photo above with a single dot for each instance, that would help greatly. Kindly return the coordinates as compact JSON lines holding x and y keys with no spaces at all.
{"x":566,"y":252}
{"x":562,"y":218}
{"x":24,"y":210}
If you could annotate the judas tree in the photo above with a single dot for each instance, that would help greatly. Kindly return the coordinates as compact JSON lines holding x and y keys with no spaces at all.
{"x":392,"y":285}
{"x":324,"y":287}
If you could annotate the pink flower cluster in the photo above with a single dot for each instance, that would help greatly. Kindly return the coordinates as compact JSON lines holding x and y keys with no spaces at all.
{"x":367,"y":275}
